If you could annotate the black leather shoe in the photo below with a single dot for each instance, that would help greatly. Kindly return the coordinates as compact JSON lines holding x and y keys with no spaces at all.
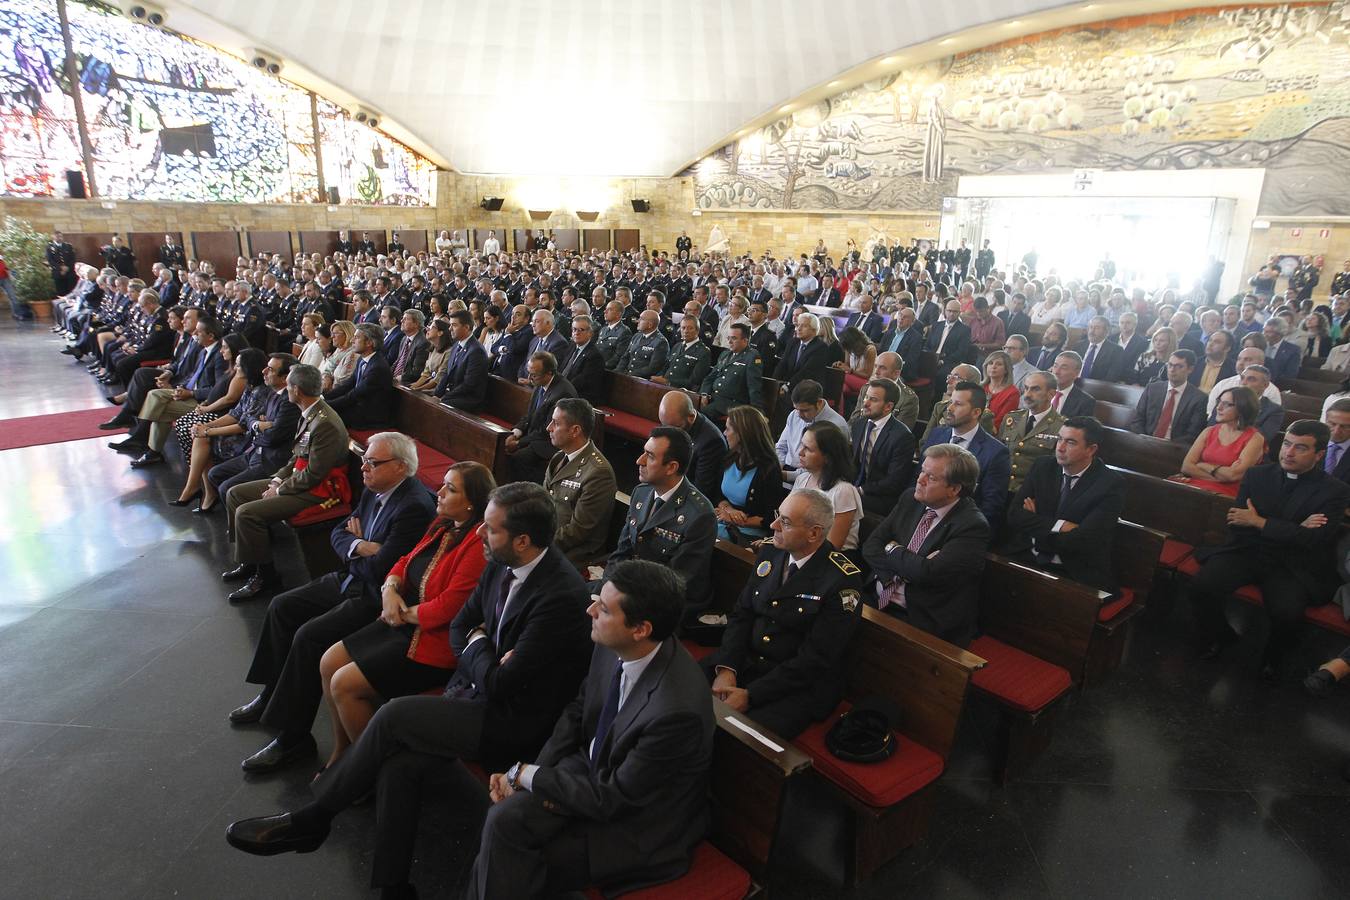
{"x":250,"y":712}
{"x":253,"y":588}
{"x":270,"y":835}
{"x":274,"y":756}
{"x":1214,"y":649}
{"x":130,"y":445}
{"x":147,"y":459}
{"x":205,"y":510}
{"x":239,"y":572}
{"x":114,"y":424}
{"x":71,"y":351}
{"x":183,"y":502}
{"x":1319,"y":684}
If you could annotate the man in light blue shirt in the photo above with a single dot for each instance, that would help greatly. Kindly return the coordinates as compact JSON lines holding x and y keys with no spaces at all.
{"x":808,"y":405}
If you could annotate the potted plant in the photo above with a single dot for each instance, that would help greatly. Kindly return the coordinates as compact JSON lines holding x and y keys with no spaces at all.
{"x":25,"y":252}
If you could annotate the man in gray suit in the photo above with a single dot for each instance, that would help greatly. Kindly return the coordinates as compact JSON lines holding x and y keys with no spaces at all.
{"x":1174,"y":409}
{"x":618,"y":796}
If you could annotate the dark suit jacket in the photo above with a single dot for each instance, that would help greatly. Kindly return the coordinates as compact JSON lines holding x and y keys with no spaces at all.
{"x":991,"y":493}
{"x":534,"y":424}
{"x":586,"y":370}
{"x":910,"y":348}
{"x":930,"y":312}
{"x":956,"y":349}
{"x":510,"y":352}
{"x":1304,"y":554}
{"x":1269,"y":421}
{"x":546,"y":629}
{"x":464,"y":384}
{"x":1094,"y":506}
{"x":1287,"y":361}
{"x":645,"y":806}
{"x":555,"y":343}
{"x":874,"y":327}
{"x":271,"y":448}
{"x":1015,"y":323}
{"x":815,"y":360}
{"x":888,"y":473}
{"x":1078,"y":403}
{"x":1129,"y":355}
{"x":417,"y":359}
{"x":1107,"y":361}
{"x":1188,"y":418}
{"x":363,"y":400}
{"x":1227,"y":370}
{"x":216,"y":371}
{"x":1342,"y":468}
{"x":680,"y":534}
{"x":404,"y":519}
{"x":942,"y":593}
{"x":710,"y":447}
{"x":393,"y":343}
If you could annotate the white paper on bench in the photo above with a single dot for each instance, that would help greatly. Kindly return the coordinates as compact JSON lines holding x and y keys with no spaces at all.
{"x":754,"y":734}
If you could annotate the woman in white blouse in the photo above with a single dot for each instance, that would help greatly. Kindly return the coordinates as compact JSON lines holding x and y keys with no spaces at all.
{"x":494,"y":326}
{"x":735,"y":316}
{"x":341,"y":363}
{"x":311,"y":354}
{"x":827,"y":465}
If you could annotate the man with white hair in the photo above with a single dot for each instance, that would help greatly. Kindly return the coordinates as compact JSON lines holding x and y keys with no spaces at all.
{"x":1283,"y":359}
{"x":1250,"y":356}
{"x":804,"y":356}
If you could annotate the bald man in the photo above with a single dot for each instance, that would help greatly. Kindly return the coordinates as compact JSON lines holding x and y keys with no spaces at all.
{"x":710,"y":447}
{"x":647,"y":351}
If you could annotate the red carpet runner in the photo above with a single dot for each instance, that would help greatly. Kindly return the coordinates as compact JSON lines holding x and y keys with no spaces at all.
{"x":54,"y":428}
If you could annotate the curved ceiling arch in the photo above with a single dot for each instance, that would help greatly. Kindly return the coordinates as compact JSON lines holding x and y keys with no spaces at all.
{"x":602,"y":87}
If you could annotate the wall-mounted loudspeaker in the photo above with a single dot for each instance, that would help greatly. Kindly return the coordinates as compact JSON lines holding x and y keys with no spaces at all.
{"x":265,"y":61}
{"x":334,"y":196}
{"x":642,"y":206}
{"x":75,"y":184}
{"x":145,"y":13}
{"x":492,"y":204}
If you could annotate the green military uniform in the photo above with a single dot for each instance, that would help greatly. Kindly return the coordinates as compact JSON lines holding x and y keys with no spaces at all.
{"x":612,"y":341}
{"x":736,"y":379}
{"x":688,"y":365}
{"x":645,"y":356}
{"x":906,"y":408}
{"x":1027,"y":448}
{"x":583,"y":495}
{"x":787,"y":636}
{"x":678,"y":532}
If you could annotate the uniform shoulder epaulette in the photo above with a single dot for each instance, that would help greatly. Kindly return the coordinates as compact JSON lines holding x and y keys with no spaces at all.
{"x":843,"y":563}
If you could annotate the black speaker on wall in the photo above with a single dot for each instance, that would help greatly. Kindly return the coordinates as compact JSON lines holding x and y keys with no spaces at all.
{"x":642,"y":206}
{"x":492,"y":204}
{"x":75,"y":184}
{"x":334,"y":196}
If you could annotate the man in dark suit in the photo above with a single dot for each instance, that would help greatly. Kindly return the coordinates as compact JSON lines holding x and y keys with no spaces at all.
{"x":528,"y":446}
{"x":804,"y":356}
{"x":1063,"y":518}
{"x":164,"y":403}
{"x":1282,"y":531}
{"x":867,"y":320}
{"x":464,"y":384}
{"x":546,"y":338}
{"x":950,"y":340}
{"x":1218,"y":363}
{"x":1174,"y":409}
{"x":1069,"y":398}
{"x":669,"y":520}
{"x":268,"y":438}
{"x":181,"y":366}
{"x":961,"y":426}
{"x":1101,"y":357}
{"x":1337,"y":460}
{"x":883,"y":448}
{"x":905,"y":337}
{"x":928,"y":554}
{"x":1014,"y":316}
{"x":522,"y":645}
{"x":585,"y":366}
{"x":927,"y":310}
{"x":1131,"y":344}
{"x":303,"y":623}
{"x":618,"y":796}
{"x":413,"y":352}
{"x":709,"y":445}
{"x":363,"y":401}
{"x":787,"y":670}
{"x":1282,"y":357}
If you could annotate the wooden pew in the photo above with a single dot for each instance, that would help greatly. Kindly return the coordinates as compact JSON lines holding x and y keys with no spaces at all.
{"x":457,"y":434}
{"x":1114,"y":415}
{"x":1135,"y":554}
{"x":507,"y":402}
{"x":1111,"y":392}
{"x":1317,"y":373}
{"x":631,"y":405}
{"x":1319,"y":389}
{"x":1142,"y":453}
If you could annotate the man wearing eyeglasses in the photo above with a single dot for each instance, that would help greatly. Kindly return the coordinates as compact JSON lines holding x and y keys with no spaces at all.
{"x":301,"y":624}
{"x":1173,"y":410}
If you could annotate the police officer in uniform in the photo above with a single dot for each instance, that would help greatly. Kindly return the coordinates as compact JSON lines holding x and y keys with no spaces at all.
{"x":119,"y":256}
{"x":762,"y":337}
{"x":647,"y":350}
{"x":984,"y":261}
{"x":781,"y":658}
{"x":61,"y":260}
{"x":367,"y":246}
{"x":736,"y":379}
{"x":171,"y":253}
{"x":690,"y":361}
{"x":395,"y":245}
{"x":1031,"y":431}
{"x":615,"y":336}
{"x":344,"y":244}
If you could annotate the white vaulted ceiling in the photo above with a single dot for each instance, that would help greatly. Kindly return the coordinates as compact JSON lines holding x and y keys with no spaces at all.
{"x":595,"y":87}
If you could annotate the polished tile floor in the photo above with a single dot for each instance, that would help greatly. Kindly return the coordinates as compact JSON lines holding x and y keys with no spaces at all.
{"x":119,"y":658}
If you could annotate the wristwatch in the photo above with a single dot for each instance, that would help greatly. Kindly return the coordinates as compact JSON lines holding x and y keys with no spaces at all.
{"x":513,"y":777}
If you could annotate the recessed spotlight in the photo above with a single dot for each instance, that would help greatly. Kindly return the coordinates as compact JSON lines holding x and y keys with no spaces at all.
{"x":786,"y":108}
{"x":834,"y":83}
{"x":890,"y":60}
{"x":945,"y":41}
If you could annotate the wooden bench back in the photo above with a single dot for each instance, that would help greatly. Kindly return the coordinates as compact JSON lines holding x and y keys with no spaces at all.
{"x":1313,"y":388}
{"x":1142,"y":452}
{"x":1134,"y":556}
{"x":1114,"y":415}
{"x":462,"y":436}
{"x":506,"y":399}
{"x":1111,"y":392}
{"x":1045,"y":615}
{"x":1308,"y":405}
{"x":1180,"y":511}
{"x":636,"y":396}
{"x":1325,"y":376}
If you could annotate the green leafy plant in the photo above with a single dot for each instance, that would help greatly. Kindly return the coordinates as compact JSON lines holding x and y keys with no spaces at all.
{"x":25,"y":252}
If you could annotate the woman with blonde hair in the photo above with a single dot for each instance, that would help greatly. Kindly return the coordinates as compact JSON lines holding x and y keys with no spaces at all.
{"x":341,"y":363}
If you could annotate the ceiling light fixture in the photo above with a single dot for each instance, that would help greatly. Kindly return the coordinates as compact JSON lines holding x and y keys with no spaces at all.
{"x":785,"y":108}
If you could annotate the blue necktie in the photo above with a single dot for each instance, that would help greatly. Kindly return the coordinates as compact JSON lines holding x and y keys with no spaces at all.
{"x":607,"y":714}
{"x":1334,"y":452}
{"x":1087,"y":363}
{"x":201,"y":367}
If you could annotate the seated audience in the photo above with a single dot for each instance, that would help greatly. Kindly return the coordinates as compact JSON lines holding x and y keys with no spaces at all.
{"x":1223,"y":452}
{"x":182,"y":366}
{"x":787,"y":671}
{"x":669,"y":521}
{"x":1053,"y":339}
{"x":1283,"y":358}
{"x":808,"y":405}
{"x":1218,"y":362}
{"x":441,"y":342}
{"x":1313,"y":337}
{"x":1000,"y":386}
{"x":528,"y":446}
{"x":464,"y":384}
{"x":1269,"y":415}
{"x":987,"y":331}
{"x":267,"y":443}
{"x":311,"y":351}
{"x":412,"y":354}
{"x":690,"y":361}
{"x":928,"y":553}
{"x":889,"y":366}
{"x":513,"y":348}
{"x":961,"y":427}
{"x":963,"y":372}
{"x":339,"y":364}
{"x":751,"y":486}
{"x":1063,"y":518}
{"x":737,"y":377}
{"x":364,"y":400}
{"x":647,"y":350}
{"x":904,"y":336}
{"x":1174,"y":409}
{"x":860,"y":359}
{"x":522,"y":649}
{"x":580,"y":482}
{"x":1247,"y":356}
{"x":251,"y":508}
{"x":825,"y":465}
{"x":804,"y":356}
{"x":615,"y":335}
{"x":950,"y":340}
{"x":406,"y":650}
{"x":1101,"y":357}
{"x":705,"y":465}
{"x":1282,"y":530}
{"x":1033,"y":430}
{"x":585,"y":366}
{"x":1337,"y":420}
{"x":1069,"y":398}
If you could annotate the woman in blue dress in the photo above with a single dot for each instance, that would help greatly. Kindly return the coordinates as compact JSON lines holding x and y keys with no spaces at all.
{"x":751,"y":488}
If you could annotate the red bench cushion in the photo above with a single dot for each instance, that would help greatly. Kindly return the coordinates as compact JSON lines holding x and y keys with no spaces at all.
{"x":1016,"y":678}
{"x":1174,"y":553}
{"x":1252,"y":594}
{"x":1110,"y":610}
{"x":496,"y":420}
{"x":1327,"y":616}
{"x":432,"y":464}
{"x":628,"y":425}
{"x":361,"y":435}
{"x":696,"y":650}
{"x":882,"y":784}
{"x":332,"y":514}
{"x":712,"y":876}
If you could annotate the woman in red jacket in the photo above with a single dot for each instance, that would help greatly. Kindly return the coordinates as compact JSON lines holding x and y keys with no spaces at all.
{"x":407,"y":650}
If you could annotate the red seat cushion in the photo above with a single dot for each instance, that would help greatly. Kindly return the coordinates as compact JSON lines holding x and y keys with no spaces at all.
{"x":882,"y":784}
{"x":360,"y":435}
{"x":696,"y":650}
{"x":331,"y":514}
{"x":1252,"y":594}
{"x":155,"y":363}
{"x":1174,"y":553}
{"x":712,"y":876}
{"x":1110,"y":610}
{"x":1327,"y":616}
{"x":432,"y":465}
{"x":495,"y":420}
{"x":1016,"y":678}
{"x":628,"y":425}
{"x":1189,"y":566}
